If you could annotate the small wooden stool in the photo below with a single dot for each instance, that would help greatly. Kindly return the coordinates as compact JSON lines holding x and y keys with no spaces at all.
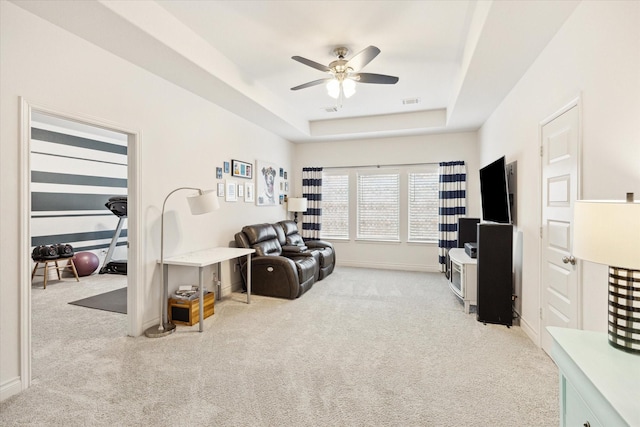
{"x":69,"y":263}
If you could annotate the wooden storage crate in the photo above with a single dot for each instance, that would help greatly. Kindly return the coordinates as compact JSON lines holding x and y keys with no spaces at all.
{"x":185,"y":312}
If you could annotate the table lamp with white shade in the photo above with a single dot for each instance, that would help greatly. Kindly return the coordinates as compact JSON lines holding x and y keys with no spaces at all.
{"x":295,"y":205}
{"x":199,"y":203}
{"x":608,"y":232}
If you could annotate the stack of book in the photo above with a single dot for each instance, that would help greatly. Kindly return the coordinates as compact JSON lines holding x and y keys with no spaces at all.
{"x":187,"y":293}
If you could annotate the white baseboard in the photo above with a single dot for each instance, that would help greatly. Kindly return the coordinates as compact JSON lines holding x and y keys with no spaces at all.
{"x":10,"y":388}
{"x":531,"y":333}
{"x":383,"y":266}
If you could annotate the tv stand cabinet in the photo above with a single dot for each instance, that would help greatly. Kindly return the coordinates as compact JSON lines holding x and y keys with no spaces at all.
{"x":463,"y":278}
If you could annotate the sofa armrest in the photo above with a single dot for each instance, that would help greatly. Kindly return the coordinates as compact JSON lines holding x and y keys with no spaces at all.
{"x":294,"y":249}
{"x":273,"y":276}
{"x":311,"y":244}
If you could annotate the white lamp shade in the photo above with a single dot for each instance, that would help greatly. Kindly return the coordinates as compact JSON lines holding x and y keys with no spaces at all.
{"x":607,"y":232}
{"x":333,"y":88}
{"x":203,"y":203}
{"x":349,"y":87}
{"x":297,"y":204}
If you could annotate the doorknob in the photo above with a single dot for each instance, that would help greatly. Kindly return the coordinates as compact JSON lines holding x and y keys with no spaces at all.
{"x":569,"y":260}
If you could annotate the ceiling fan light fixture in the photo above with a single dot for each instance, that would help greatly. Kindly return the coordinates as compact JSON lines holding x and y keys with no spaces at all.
{"x":344,"y":74}
{"x":349,"y":87}
{"x":333,"y":88}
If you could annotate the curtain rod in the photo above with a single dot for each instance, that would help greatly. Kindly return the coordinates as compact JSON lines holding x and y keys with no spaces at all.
{"x":380,"y":166}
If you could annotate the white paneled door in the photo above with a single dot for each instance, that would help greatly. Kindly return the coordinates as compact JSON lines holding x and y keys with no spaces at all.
{"x":560,"y":188}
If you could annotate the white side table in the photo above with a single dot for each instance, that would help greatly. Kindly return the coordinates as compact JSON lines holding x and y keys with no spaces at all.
{"x":463,"y":280}
{"x":599,"y":384}
{"x":203,"y":259}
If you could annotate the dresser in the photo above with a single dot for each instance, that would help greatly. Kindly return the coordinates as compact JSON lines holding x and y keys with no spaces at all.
{"x":599,"y":384}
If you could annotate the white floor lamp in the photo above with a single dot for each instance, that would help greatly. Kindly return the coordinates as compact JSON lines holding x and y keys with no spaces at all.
{"x":200,"y":203}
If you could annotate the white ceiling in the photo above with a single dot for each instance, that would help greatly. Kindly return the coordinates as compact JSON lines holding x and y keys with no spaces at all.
{"x":459,"y":58}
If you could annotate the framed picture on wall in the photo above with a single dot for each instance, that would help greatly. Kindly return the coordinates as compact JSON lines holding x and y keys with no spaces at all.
{"x":220,"y":189}
{"x":241,"y":169}
{"x":226,"y":167}
{"x":230,"y":195}
{"x":249,"y":190}
{"x":267,"y":187}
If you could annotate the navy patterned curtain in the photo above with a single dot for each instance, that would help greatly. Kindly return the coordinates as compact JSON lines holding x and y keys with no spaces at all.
{"x":312,"y":191}
{"x":453,"y":205}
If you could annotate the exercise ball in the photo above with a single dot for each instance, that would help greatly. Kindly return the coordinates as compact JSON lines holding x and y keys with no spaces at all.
{"x":86,"y":263}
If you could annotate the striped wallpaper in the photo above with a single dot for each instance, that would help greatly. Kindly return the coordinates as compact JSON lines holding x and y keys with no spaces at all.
{"x":75,"y":169}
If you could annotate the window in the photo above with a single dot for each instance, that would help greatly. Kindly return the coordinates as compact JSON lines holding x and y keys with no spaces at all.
{"x":378,"y":206}
{"x":335,"y":206}
{"x":390,"y":204}
{"x":423,"y":206}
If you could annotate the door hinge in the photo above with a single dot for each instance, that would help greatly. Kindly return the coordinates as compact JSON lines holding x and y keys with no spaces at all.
{"x":541,"y":232}
{"x":541,"y":150}
{"x":541,"y":312}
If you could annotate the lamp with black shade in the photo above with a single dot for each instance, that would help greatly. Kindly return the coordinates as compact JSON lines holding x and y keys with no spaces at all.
{"x":200,"y":203}
{"x":608,"y":232}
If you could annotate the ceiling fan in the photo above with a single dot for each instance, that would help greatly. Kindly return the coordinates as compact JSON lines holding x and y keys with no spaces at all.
{"x":345,"y":73}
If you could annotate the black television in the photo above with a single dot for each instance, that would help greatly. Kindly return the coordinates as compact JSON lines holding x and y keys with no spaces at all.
{"x":494,"y":192}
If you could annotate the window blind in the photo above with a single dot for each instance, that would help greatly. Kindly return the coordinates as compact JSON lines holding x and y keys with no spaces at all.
{"x":378,"y":206}
{"x":423,"y":206}
{"x":335,"y":208}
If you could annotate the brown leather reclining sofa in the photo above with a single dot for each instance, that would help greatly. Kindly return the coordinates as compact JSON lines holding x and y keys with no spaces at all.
{"x":284,"y":264}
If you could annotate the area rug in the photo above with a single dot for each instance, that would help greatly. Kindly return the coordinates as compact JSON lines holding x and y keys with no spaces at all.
{"x":115,"y":301}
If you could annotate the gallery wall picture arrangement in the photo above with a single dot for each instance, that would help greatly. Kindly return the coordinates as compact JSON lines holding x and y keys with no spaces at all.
{"x":267,"y":190}
{"x":241,"y":169}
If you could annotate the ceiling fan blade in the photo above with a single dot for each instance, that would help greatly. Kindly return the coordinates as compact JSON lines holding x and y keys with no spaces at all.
{"x":309,"y":84}
{"x":363,"y":57}
{"x":311,"y":63}
{"x":376,"y":78}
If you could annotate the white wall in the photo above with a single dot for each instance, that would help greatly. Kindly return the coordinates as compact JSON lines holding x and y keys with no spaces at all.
{"x":184,"y":138}
{"x":595,"y":55}
{"x":406,"y":150}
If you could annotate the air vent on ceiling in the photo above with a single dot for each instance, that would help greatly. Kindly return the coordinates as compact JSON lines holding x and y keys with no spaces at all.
{"x":410,"y":101}
{"x":333,"y":109}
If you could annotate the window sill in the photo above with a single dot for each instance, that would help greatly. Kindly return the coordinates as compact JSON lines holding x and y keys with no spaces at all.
{"x":422,"y":242}
{"x":409,"y":242}
{"x":335,"y":239}
{"x":378,"y":241}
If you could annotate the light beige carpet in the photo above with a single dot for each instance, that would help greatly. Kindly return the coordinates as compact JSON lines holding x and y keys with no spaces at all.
{"x":361,"y":348}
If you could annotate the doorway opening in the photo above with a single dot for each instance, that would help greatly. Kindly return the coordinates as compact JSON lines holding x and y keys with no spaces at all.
{"x":71,"y":165}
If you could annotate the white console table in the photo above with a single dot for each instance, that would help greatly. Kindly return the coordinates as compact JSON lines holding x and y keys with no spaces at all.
{"x":203,"y":259}
{"x":599,"y":384}
{"x":463,"y":279}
